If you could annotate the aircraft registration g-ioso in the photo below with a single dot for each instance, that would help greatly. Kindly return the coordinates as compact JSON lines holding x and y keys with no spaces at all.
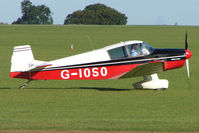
{"x":121,"y":60}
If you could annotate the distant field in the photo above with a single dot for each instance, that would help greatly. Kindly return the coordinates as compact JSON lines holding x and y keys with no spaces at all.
{"x":97,"y":105}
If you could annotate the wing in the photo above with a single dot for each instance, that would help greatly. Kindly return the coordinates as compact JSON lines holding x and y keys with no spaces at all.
{"x":145,"y":69}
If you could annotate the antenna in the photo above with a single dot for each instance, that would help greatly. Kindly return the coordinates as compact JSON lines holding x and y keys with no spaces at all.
{"x":91,"y":43}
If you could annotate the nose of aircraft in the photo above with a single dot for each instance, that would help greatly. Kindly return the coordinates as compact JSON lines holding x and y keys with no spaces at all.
{"x":188,"y":54}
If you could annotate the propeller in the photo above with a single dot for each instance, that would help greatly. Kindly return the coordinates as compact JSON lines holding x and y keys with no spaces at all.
{"x":186,"y":41}
{"x":187,"y":66}
{"x":188,"y":54}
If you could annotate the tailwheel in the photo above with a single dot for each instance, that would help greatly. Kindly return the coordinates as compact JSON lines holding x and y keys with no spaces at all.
{"x":24,"y":85}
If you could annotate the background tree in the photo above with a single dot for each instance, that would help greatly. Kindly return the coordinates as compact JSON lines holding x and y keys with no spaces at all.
{"x":34,"y":14}
{"x":97,"y":14}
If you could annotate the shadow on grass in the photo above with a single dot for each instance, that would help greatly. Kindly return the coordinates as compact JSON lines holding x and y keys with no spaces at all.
{"x":104,"y":89}
{"x":2,"y":88}
{"x":87,"y":88}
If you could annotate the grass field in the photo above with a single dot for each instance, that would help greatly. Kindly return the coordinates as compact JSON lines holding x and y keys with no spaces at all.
{"x":97,"y":105}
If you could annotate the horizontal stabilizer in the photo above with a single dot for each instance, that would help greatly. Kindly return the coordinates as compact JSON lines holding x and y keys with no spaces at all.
{"x":39,"y":64}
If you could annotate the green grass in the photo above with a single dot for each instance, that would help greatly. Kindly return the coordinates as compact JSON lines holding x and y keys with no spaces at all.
{"x":97,"y":105}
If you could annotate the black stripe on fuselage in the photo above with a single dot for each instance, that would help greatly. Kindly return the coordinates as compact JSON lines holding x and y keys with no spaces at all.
{"x":157,"y":55}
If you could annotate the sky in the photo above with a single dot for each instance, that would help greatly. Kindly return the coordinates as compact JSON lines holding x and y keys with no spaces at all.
{"x":139,"y":12}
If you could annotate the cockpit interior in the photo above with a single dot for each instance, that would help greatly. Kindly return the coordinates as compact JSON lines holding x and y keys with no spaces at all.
{"x":130,"y":50}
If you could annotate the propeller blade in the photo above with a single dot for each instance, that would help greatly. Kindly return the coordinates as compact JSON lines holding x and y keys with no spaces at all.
{"x":188,"y":54}
{"x":187,"y":66}
{"x":186,"y":41}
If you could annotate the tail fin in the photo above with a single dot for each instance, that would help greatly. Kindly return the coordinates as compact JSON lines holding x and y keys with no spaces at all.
{"x":21,"y":58}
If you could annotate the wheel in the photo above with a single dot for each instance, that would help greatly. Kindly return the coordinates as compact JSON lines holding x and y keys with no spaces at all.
{"x":21,"y":87}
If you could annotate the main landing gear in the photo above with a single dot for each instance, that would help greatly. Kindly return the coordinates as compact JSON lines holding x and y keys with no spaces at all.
{"x":152,"y":82}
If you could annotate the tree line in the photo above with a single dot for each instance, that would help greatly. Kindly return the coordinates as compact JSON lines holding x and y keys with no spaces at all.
{"x":96,"y":14}
{"x":32,"y":14}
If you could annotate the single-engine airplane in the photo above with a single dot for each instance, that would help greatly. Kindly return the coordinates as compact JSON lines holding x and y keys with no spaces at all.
{"x":122,"y":60}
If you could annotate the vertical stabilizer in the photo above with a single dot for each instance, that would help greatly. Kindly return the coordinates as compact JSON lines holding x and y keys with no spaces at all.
{"x":21,"y":58}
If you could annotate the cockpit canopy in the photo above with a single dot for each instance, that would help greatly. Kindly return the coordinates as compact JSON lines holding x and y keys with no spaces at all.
{"x":130,"y":50}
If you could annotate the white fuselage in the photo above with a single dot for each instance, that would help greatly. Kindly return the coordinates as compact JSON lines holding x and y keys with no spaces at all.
{"x":89,"y":57}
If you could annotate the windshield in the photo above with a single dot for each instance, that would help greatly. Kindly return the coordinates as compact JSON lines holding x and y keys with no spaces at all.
{"x":148,"y":48}
{"x":139,"y":49}
{"x":131,"y":50}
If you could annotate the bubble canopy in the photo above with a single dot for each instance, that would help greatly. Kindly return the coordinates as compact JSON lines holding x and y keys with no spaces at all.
{"x":130,"y":49}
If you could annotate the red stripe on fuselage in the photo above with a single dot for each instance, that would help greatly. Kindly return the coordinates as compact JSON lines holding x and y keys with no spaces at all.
{"x":91,"y":73}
